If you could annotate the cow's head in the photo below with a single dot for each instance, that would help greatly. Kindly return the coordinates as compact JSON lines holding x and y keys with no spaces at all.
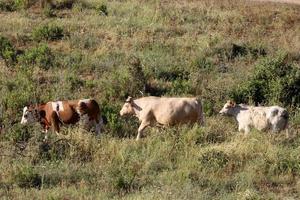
{"x":228,"y":108}
{"x":127,"y":108}
{"x":30,"y":115}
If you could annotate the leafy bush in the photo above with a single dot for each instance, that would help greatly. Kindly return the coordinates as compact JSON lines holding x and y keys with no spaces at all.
{"x":41,"y":56}
{"x":102,"y":9}
{"x":7,"y":51}
{"x":64,"y":4}
{"x":231,"y":51}
{"x":13,"y":5}
{"x":48,"y":11}
{"x":274,"y":80}
{"x":27,"y":178}
{"x":118,"y":127}
{"x":7,"y":5}
{"x":48,"y":32}
{"x":20,"y":133}
{"x":57,"y":150}
{"x":214,"y":159}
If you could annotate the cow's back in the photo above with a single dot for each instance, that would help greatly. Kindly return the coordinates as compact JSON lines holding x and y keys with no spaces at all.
{"x":171,"y":111}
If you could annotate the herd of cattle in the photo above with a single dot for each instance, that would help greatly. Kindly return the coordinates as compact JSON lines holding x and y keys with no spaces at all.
{"x":152,"y":111}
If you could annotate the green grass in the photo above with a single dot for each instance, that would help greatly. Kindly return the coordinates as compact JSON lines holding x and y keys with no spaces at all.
{"x":111,"y":49}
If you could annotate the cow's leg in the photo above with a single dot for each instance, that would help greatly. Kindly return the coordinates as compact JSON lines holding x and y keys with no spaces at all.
{"x":55,"y":123}
{"x":241,"y":128}
{"x":247,"y":129}
{"x":45,"y":131}
{"x":201,"y":120}
{"x":143,"y":125}
{"x":98,"y":126}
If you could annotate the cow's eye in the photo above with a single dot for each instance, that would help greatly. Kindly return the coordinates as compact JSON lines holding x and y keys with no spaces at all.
{"x":25,"y":116}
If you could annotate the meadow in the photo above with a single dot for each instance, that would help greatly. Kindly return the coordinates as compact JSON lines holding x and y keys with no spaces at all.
{"x":216,"y":50}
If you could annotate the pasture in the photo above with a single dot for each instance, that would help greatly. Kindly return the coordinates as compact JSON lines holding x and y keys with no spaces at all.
{"x":217,"y":50}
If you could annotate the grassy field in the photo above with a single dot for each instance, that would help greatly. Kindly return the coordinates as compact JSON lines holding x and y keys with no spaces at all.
{"x":216,"y":50}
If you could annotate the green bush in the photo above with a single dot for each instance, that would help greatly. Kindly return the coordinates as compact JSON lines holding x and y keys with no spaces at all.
{"x":274,"y":80}
{"x":7,"y":51}
{"x":231,"y":51}
{"x":48,"y":11}
{"x":7,"y":5}
{"x":102,"y":9}
{"x":26,"y":177}
{"x":41,"y":56}
{"x":19,"y":133}
{"x":64,"y":4}
{"x":13,"y":5}
{"x":48,"y":32}
{"x":57,"y":150}
{"x":214,"y":160}
{"x":117,"y":126}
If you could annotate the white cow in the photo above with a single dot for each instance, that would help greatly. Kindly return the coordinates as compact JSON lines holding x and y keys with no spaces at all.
{"x":272,"y":118}
{"x":163,"y":110}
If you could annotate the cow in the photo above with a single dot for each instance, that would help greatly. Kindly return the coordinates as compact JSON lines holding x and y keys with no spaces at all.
{"x":163,"y":111}
{"x":56,"y":113}
{"x":272,"y":118}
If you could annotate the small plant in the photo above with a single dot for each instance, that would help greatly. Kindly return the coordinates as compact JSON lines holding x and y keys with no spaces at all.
{"x":21,"y":134}
{"x":214,"y":159}
{"x":7,"y":51}
{"x":27,"y":178}
{"x":41,"y":56}
{"x":7,"y":5}
{"x":102,"y":9}
{"x":48,"y":32}
{"x":64,"y":4}
{"x":48,"y":11}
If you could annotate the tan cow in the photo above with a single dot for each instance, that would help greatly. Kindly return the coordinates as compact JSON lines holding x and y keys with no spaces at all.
{"x":273,"y":118}
{"x":55,"y":113}
{"x":164,"y":111}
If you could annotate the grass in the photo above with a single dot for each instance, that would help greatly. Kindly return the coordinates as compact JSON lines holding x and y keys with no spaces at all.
{"x":111,"y":49}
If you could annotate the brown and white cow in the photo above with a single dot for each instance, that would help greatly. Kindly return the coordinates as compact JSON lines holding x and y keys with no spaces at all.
{"x":163,"y":110}
{"x":274,"y":118}
{"x":55,"y":113}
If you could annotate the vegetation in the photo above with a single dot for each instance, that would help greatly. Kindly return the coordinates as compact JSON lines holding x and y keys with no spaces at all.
{"x":215,"y":50}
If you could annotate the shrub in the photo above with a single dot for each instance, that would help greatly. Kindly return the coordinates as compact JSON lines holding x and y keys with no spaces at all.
{"x":214,"y":159}
{"x":41,"y":56}
{"x":64,"y":4}
{"x":48,"y":11}
{"x":48,"y":32}
{"x":20,"y":133}
{"x":7,"y":5}
{"x":231,"y":51}
{"x":102,"y":9}
{"x":57,"y":150}
{"x":273,"y":81}
{"x":13,"y":5}
{"x":27,"y":178}
{"x":117,"y":126}
{"x":7,"y":51}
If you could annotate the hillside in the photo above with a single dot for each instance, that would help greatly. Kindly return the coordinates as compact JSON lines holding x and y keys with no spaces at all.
{"x":216,"y":50}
